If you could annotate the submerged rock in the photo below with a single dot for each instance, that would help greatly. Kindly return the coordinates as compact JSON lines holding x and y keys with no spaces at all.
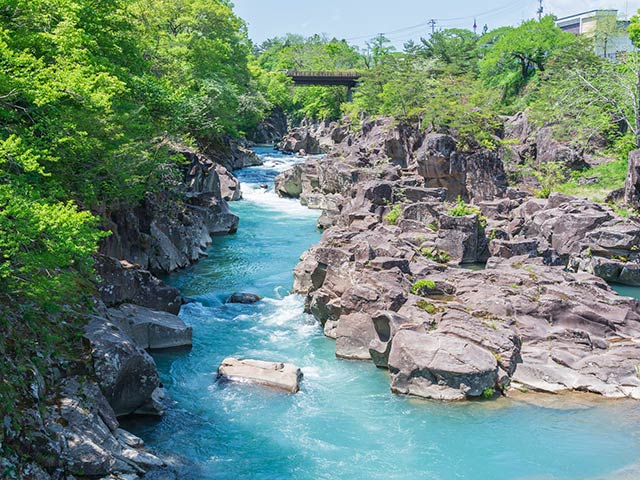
{"x":282,"y":376}
{"x":245,"y":298}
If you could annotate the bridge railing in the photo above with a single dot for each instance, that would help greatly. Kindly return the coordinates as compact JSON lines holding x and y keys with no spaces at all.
{"x":310,"y":73}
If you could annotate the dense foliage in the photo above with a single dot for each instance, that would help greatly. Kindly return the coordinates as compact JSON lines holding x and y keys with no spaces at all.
{"x":89,"y":91}
{"x":316,"y":53}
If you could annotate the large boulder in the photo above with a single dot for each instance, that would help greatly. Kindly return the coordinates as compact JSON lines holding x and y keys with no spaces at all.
{"x":441,"y":367}
{"x":150,"y":329}
{"x":121,"y":282}
{"x":87,"y":429}
{"x":229,"y":185}
{"x":127,"y":375}
{"x":289,"y":182}
{"x":86,"y":437}
{"x":551,"y":150}
{"x":281,"y":376}
{"x":478,"y":175}
{"x":462,"y":238}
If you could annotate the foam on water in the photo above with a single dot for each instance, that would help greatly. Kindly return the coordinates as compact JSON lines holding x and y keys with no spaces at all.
{"x":268,"y":199}
{"x":344,"y":424}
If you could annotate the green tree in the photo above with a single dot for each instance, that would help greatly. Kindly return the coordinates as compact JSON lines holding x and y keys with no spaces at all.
{"x":378,"y":49}
{"x":455,"y":49}
{"x":513,"y":56}
{"x":316,"y":53}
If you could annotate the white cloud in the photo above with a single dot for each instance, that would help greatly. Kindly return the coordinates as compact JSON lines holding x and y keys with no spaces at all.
{"x":563,"y":8}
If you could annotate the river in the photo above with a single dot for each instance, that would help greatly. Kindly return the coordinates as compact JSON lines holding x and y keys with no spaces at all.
{"x":344,"y":424}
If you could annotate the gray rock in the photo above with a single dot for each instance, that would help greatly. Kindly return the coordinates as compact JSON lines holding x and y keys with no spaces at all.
{"x":122,"y":282}
{"x":513,"y":248}
{"x":289,"y":183}
{"x":632,"y":184}
{"x":246,"y":298}
{"x":128,"y":439}
{"x":126,"y":373}
{"x":551,"y":150}
{"x":460,"y":238}
{"x":88,"y":445}
{"x":354,"y":334}
{"x":150,"y":329}
{"x":385,"y":324}
{"x":441,"y":367}
{"x":229,"y":185}
{"x":271,"y":129}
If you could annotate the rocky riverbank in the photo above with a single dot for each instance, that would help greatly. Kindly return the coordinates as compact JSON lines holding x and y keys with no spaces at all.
{"x":78,"y":434}
{"x":387,"y":283}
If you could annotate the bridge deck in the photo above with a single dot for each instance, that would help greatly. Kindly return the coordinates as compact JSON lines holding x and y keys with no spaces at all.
{"x":347,"y":79}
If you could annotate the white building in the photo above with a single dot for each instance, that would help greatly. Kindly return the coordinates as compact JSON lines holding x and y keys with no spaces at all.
{"x":609,"y":33}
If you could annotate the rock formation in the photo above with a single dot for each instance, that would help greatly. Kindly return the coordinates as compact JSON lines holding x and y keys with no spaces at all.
{"x":271,"y":129}
{"x":632,"y":185}
{"x":387,"y":280}
{"x":171,"y":230}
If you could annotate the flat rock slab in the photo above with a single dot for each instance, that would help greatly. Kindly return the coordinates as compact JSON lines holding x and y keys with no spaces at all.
{"x":153,"y":330}
{"x":283,"y":376}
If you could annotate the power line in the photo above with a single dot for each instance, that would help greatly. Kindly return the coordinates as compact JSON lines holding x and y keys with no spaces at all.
{"x":482,"y":14}
{"x":432,"y":22}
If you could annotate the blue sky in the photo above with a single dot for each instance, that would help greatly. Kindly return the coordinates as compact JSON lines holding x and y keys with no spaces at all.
{"x":358,"y":20}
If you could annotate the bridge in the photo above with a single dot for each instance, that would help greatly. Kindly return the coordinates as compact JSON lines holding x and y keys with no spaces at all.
{"x":347,"y":79}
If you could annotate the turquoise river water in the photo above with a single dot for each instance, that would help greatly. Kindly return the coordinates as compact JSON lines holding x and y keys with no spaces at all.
{"x":344,"y":424}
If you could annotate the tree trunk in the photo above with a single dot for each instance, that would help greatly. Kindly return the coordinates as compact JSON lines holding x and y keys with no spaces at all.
{"x":637,"y":109}
{"x":632,"y":184}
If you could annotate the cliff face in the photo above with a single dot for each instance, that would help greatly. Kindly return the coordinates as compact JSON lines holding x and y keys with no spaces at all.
{"x":272,"y":129}
{"x":168,"y":231}
{"x":385,"y":150}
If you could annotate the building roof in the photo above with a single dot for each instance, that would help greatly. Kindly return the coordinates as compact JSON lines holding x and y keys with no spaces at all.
{"x":586,"y":13}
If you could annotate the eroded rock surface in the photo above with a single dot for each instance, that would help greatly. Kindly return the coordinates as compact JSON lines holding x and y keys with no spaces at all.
{"x":171,"y":230}
{"x":386,"y":281}
{"x":282,"y":376}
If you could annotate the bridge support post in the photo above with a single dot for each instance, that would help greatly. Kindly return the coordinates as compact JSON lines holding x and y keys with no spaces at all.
{"x":349,"y":94}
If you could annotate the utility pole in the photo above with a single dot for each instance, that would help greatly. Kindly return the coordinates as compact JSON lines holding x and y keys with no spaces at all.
{"x":540,"y":10}
{"x":433,"y":22}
